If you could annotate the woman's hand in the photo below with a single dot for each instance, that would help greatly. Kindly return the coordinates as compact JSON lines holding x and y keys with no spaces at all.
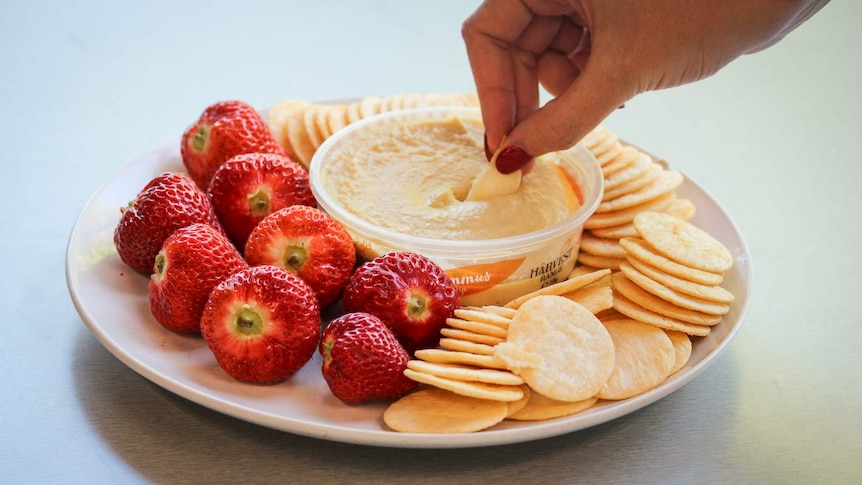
{"x":594,"y":55}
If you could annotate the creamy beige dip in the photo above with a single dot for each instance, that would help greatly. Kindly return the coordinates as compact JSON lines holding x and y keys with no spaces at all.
{"x":413,"y":177}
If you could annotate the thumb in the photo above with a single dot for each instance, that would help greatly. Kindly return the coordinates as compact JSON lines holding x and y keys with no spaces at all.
{"x":566,"y":119}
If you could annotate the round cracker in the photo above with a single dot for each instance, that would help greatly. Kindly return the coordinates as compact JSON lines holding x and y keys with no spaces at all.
{"x":477,"y":327}
{"x":353,"y":112}
{"x":495,"y":309}
{"x":320,"y":120}
{"x":295,"y":132}
{"x":571,"y":283}
{"x":575,"y":352}
{"x":594,"y":298}
{"x":443,"y":356}
{"x":644,"y":356}
{"x":457,"y":333}
{"x":636,"y":294}
{"x":433,"y":410}
{"x":623,"y":216}
{"x":639,"y":249}
{"x":625,"y":157}
{"x":683,"y":242}
{"x":602,"y":246}
{"x":649,"y":176}
{"x":637,"y":169}
{"x":682,"y":347}
{"x":466,"y":373}
{"x":616,"y":232}
{"x":540,"y":408}
{"x":459,"y":345}
{"x":336,"y":117}
{"x":479,"y":390}
{"x":285,"y":120}
{"x":671,"y":295}
{"x":276,"y":120}
{"x":666,"y":183}
{"x":641,"y":314}
{"x":600,"y":140}
{"x":707,"y":292}
{"x":515,"y":406}
{"x":370,"y":106}
{"x":603,"y":262}
{"x":482,"y":317}
{"x":610,"y":154}
{"x":682,"y":208}
{"x":609,"y":314}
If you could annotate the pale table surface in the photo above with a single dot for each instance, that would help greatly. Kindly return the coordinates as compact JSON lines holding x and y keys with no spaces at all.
{"x":85,"y":87}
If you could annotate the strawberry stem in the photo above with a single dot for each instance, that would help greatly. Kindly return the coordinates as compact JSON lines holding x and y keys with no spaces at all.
{"x":416,"y":306}
{"x":160,"y":263}
{"x":199,"y":141}
{"x":295,"y":257}
{"x":258,"y":202}
{"x":248,"y":322}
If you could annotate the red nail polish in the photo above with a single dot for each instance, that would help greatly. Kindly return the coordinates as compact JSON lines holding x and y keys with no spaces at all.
{"x":512,"y":158}
{"x":488,"y":153}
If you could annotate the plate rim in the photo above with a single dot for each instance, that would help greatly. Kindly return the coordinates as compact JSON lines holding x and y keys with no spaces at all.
{"x":384,"y":438}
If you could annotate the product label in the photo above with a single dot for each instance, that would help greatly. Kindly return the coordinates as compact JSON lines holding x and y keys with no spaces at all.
{"x":480,"y":277}
{"x":549,"y":272}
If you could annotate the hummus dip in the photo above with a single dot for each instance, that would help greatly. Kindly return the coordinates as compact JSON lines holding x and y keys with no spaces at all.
{"x":413,"y":178}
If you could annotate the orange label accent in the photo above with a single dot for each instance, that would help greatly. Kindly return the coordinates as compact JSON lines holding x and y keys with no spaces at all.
{"x":480,"y":277}
{"x":575,"y":198}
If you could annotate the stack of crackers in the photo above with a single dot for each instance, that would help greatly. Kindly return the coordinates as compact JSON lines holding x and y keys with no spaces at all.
{"x":648,"y":283}
{"x":633,"y":183}
{"x":300,"y":127}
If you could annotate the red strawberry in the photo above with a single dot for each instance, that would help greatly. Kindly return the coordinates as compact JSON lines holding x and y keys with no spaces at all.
{"x":224,"y":130}
{"x":409,"y":292}
{"x":168,"y":202}
{"x":362,"y":360}
{"x":192,"y":262}
{"x":249,"y":187}
{"x":262,"y":324}
{"x":308,"y":242}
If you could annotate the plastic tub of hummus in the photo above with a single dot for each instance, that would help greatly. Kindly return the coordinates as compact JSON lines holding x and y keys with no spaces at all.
{"x":398,"y":181}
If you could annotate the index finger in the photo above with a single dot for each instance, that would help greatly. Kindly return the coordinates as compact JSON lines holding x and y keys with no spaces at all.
{"x":488,"y":34}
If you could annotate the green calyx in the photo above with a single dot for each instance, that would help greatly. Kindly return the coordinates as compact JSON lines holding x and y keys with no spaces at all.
{"x":199,"y":140}
{"x":295,"y":257}
{"x":247,"y":322}
{"x":258,"y":203}
{"x":159,"y":265}
{"x":327,"y":350}
{"x":417,"y":305}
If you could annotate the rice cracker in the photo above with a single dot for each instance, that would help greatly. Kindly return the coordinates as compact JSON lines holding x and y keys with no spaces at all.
{"x":641,"y":250}
{"x":561,"y":288}
{"x":540,"y":408}
{"x":479,"y":390}
{"x":682,"y":347}
{"x":622,"y":285}
{"x":641,"y":314}
{"x":683,"y":242}
{"x":433,"y":410}
{"x":570,"y":354}
{"x":671,"y":295}
{"x":465,"y":373}
{"x":644,"y":357}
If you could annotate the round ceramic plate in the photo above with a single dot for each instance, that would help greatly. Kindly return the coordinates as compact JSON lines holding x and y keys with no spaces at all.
{"x":112,"y":301}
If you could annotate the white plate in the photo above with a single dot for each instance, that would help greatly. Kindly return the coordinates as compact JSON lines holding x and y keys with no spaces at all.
{"x":112,"y":301}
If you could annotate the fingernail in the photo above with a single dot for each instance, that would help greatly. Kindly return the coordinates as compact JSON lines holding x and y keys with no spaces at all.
{"x":512,"y":158}
{"x":488,"y":152}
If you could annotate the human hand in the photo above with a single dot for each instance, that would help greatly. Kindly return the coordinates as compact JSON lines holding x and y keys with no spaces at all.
{"x":594,"y":55}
